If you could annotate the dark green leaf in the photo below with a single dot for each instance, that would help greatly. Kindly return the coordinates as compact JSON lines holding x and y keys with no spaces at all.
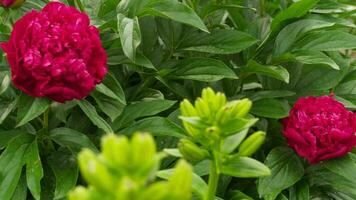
{"x":72,"y":139}
{"x":157,"y":126}
{"x":176,"y":11}
{"x":333,"y":40}
{"x":276,"y":72}
{"x":291,"y":33}
{"x":221,"y":41}
{"x":296,"y":10}
{"x":201,"y":69}
{"x":299,"y":191}
{"x":141,"y":109}
{"x":270,"y":108}
{"x":30,"y":108}
{"x":315,"y":57}
{"x":286,"y":168}
{"x":11,"y":163}
{"x":64,"y":166}
{"x":34,"y":171}
{"x":91,"y":113}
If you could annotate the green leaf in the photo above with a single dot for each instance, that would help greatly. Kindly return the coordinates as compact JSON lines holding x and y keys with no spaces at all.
{"x":269,"y":94}
{"x":332,"y":40}
{"x":221,"y":41}
{"x":21,"y":189}
{"x":276,"y":72}
{"x":270,"y":108}
{"x":7,"y":136}
{"x":338,"y":175}
{"x":201,"y":69}
{"x":71,"y":139}
{"x":315,"y":57}
{"x":141,"y":109}
{"x":11,"y":162}
{"x":236,"y":125}
{"x":65,"y":169}
{"x":297,"y":9}
{"x":198,"y":184}
{"x":6,"y":108}
{"x":5,"y":82}
{"x":34,"y":171}
{"x":176,"y":11}
{"x":130,"y":35}
{"x":29,"y":108}
{"x":286,"y":168}
{"x":110,"y":97}
{"x":244,"y":167}
{"x":91,"y":113}
{"x":157,"y":126}
{"x":299,"y":191}
{"x":233,"y":141}
{"x":294,"y":31}
{"x":238,"y":195}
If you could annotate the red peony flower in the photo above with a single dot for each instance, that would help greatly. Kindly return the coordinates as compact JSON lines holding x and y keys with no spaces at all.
{"x":55,"y":53}
{"x":320,"y":128}
{"x":11,"y":3}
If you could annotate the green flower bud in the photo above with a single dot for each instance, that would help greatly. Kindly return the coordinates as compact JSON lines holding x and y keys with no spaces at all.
{"x":220,"y":100}
{"x":143,"y":153}
{"x":181,"y":181}
{"x":127,"y":189}
{"x":202,"y":108}
{"x":94,"y":171}
{"x":242,"y":107}
{"x":116,"y":150}
{"x":252,"y":144}
{"x":191,"y":130}
{"x":187,"y":109}
{"x":213,"y":133}
{"x":191,"y":151}
{"x":156,"y":191}
{"x":80,"y":193}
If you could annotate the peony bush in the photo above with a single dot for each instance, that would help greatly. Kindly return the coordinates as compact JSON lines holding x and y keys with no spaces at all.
{"x":173,"y":99}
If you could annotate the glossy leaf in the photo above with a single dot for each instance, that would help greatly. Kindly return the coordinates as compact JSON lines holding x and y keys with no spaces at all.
{"x":276,"y":72}
{"x":29,"y":108}
{"x":91,"y":113}
{"x":286,"y":169}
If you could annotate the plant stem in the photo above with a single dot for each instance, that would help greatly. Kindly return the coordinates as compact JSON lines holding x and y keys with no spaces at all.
{"x":213,"y":181}
{"x":45,"y":120}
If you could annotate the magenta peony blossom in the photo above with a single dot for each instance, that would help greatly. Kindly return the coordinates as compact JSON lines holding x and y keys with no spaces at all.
{"x":55,"y":53}
{"x":11,"y":3}
{"x":320,"y":128}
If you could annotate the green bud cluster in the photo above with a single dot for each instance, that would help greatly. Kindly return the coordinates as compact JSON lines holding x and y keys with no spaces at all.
{"x":125,"y":170}
{"x":213,"y":118}
{"x":212,"y":123}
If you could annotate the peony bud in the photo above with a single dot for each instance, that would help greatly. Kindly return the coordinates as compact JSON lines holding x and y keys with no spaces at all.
{"x":242,"y":107}
{"x":252,"y":143}
{"x":191,"y":151}
{"x":143,"y":150}
{"x":94,"y":171}
{"x":187,"y":109}
{"x":202,"y":108}
{"x":11,"y":3}
{"x":182,"y":177}
{"x":116,"y":151}
{"x":80,"y":193}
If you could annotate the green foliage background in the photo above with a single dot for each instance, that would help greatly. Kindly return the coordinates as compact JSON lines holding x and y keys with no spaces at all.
{"x":162,"y":51}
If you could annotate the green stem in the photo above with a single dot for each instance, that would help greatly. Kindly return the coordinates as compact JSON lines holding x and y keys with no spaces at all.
{"x":45,"y":120}
{"x":213,"y":181}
